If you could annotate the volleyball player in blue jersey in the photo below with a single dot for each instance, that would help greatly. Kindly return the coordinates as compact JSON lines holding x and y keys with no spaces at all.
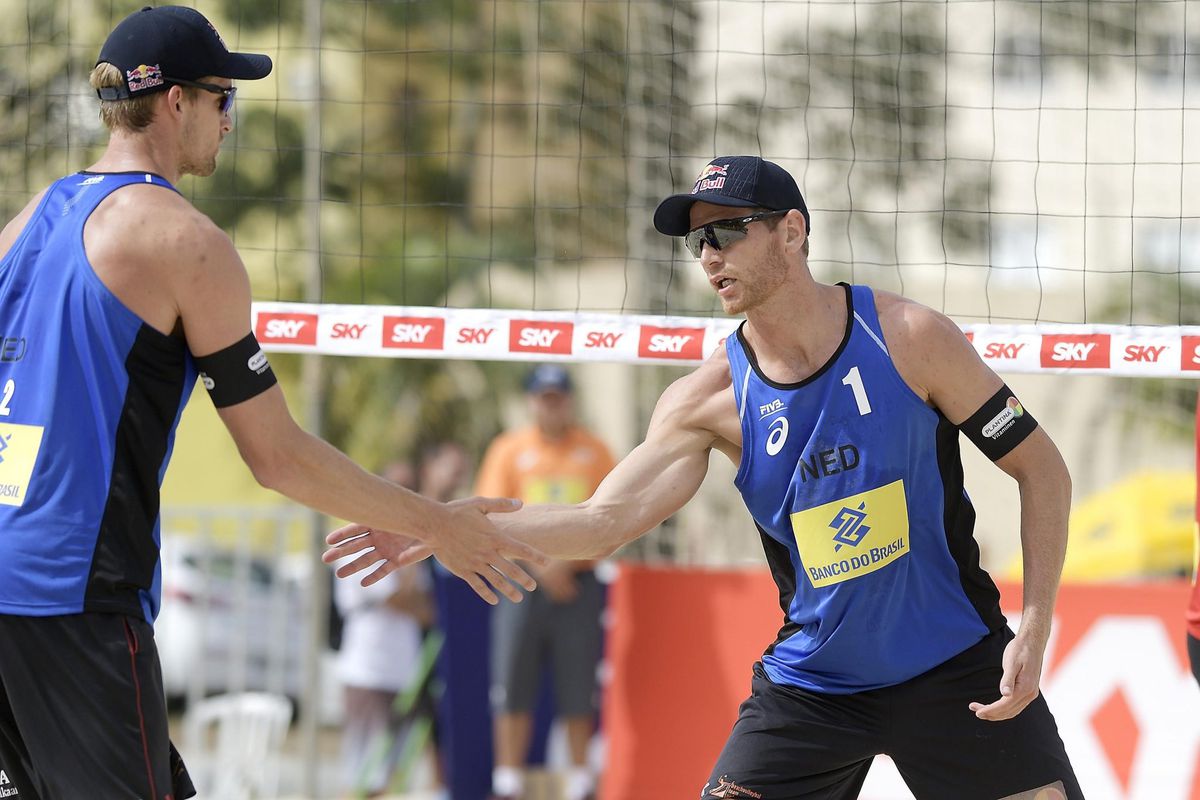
{"x":842,"y":407}
{"x":114,"y":294}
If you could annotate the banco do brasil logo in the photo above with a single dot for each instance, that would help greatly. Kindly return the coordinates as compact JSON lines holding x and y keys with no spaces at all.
{"x":849,"y":526}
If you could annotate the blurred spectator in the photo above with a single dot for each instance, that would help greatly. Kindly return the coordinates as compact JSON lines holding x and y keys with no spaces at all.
{"x":552,"y":461}
{"x":380,"y":658}
{"x":444,"y":471}
{"x":442,"y":475}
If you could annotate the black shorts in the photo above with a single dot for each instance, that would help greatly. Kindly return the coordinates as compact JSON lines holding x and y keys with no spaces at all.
{"x":82,"y":712}
{"x":790,"y":743}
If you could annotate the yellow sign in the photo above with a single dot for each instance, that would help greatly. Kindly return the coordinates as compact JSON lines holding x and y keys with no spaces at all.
{"x":19,"y":445}
{"x":851,"y":537}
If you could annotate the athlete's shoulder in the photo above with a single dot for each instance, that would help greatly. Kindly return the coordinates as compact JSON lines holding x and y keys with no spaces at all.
{"x":906,"y":322}
{"x":157,"y":230}
{"x":17,"y":224}
{"x":928,"y":348}
{"x":159,"y":217}
{"x":703,"y":398}
{"x":713,"y":376}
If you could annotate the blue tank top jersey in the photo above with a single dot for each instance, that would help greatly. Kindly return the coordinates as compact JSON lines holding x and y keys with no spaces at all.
{"x":90,"y":397}
{"x":856,"y":488}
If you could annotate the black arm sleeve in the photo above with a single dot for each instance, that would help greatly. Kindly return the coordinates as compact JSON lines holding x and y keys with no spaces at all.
{"x":999,"y":425}
{"x":237,"y":373}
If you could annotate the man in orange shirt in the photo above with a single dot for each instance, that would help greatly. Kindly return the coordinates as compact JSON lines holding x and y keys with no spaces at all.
{"x":553,"y":460}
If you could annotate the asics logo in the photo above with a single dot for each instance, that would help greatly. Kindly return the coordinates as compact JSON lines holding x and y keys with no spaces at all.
{"x":777,"y":436}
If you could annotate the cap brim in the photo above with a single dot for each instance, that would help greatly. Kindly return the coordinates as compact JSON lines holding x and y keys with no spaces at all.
{"x":673,"y":215}
{"x":246,"y":66}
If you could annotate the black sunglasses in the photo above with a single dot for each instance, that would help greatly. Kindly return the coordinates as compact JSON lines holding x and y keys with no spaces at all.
{"x":721,"y":233}
{"x":228,"y":92}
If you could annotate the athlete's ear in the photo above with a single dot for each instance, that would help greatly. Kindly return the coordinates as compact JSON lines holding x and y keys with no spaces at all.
{"x":795,"y":232}
{"x":175,"y":97}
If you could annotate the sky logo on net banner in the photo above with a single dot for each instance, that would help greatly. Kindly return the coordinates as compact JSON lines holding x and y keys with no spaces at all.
{"x":685,"y":344}
{"x":529,"y":336}
{"x":414,"y":333}
{"x":273,"y":327}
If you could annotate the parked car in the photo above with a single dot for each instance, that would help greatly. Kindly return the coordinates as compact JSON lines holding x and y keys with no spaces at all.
{"x":230,"y":621}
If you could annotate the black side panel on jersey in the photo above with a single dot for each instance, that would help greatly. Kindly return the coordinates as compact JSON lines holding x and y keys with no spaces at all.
{"x":126,"y":553}
{"x":780,"y":562}
{"x":959,"y":517}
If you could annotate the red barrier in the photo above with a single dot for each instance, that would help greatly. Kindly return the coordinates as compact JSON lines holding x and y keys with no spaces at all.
{"x":682,"y":642}
{"x":680,"y":646}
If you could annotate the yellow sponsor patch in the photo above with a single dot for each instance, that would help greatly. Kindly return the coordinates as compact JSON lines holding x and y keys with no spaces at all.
{"x":853,"y":536}
{"x":563,"y":491}
{"x":19,"y":445}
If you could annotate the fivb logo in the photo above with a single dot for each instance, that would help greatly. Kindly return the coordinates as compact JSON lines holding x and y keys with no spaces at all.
{"x":277,"y":328}
{"x":414,"y":333}
{"x":684,"y":344}
{"x":773,"y":407}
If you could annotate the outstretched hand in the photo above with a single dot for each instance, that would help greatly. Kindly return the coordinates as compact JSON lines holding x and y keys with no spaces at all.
{"x":389,"y":551}
{"x":1019,"y":685}
{"x":468,"y":546}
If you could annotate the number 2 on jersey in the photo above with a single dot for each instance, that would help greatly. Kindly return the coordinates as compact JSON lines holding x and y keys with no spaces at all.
{"x":854,"y":380}
{"x":10,"y":386}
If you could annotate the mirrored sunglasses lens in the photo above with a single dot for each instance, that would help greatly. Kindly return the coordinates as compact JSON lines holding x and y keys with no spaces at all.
{"x":694,"y":241}
{"x":227,"y":105}
{"x":726,"y":236}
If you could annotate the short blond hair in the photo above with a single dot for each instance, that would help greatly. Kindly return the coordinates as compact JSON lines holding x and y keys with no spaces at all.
{"x":131,"y":114}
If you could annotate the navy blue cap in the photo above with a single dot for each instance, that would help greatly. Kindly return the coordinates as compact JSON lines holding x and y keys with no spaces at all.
{"x":737,"y":181}
{"x":153,"y":45}
{"x":548,"y":378}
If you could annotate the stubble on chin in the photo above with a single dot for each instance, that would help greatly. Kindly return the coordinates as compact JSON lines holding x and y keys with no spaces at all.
{"x":733,"y":307}
{"x":200,"y":170}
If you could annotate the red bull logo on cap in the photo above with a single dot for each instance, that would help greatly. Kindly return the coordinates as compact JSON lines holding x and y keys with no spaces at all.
{"x":219,"y":39}
{"x":712,"y":177}
{"x":144,"y":77}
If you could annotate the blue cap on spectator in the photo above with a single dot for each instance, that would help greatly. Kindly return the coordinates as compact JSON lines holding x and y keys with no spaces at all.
{"x":548,"y":378}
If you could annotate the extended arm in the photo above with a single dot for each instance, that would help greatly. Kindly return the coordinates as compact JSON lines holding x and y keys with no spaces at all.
{"x":212,"y":297}
{"x":647,"y":486}
{"x":654,"y":481}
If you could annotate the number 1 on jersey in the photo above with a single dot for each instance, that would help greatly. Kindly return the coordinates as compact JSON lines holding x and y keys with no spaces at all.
{"x":854,"y":381}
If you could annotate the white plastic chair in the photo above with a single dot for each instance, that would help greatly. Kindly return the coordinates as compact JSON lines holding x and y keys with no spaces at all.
{"x":246,"y":732}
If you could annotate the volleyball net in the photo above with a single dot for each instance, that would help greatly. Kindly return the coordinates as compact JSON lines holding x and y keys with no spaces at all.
{"x":1002,"y":161}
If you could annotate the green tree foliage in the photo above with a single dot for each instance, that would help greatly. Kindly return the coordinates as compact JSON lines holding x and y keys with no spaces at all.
{"x":871,"y":91}
{"x":431,"y":113}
